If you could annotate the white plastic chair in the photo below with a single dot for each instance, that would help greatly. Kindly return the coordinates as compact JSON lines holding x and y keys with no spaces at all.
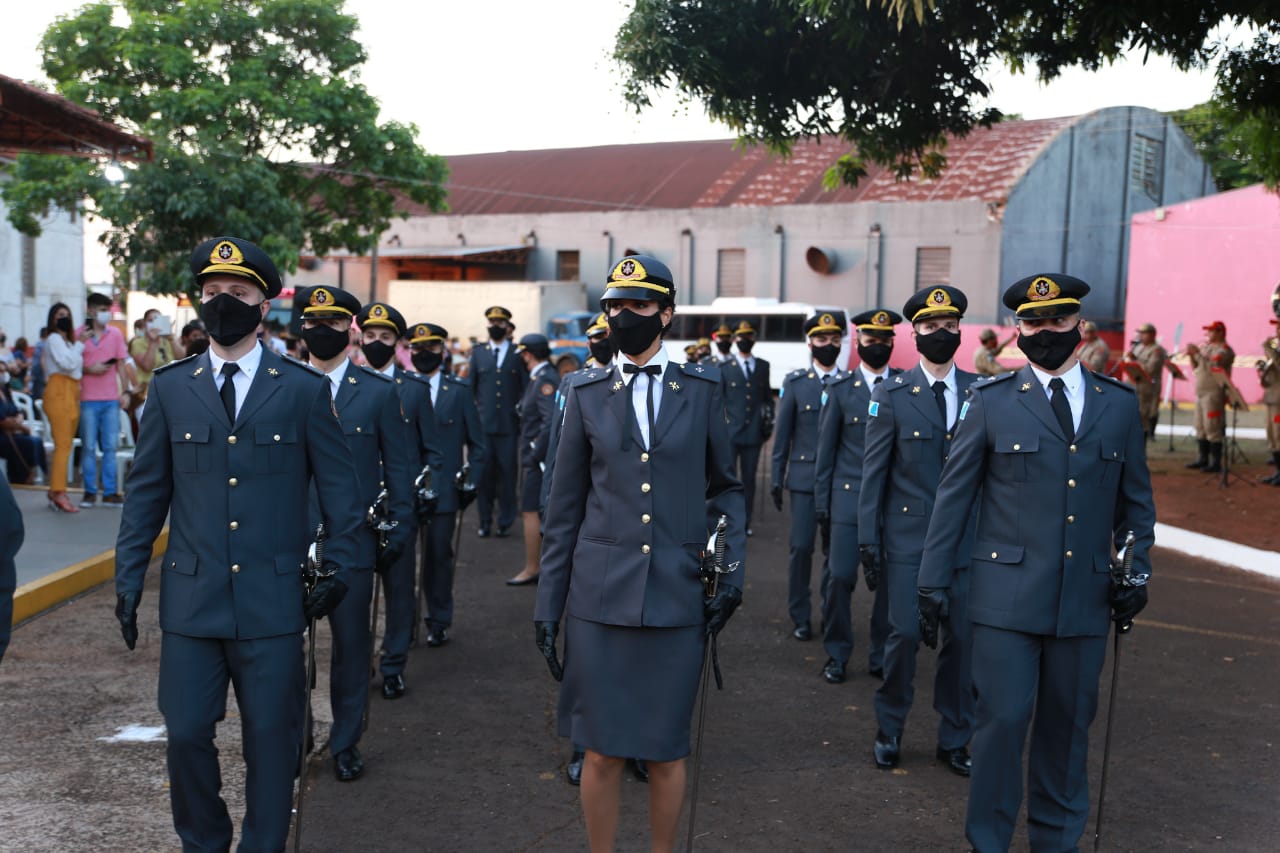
{"x":124,"y":447}
{"x":27,"y":406}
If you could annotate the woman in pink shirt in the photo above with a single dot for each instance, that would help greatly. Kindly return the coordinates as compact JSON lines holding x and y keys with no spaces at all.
{"x":104,"y":356}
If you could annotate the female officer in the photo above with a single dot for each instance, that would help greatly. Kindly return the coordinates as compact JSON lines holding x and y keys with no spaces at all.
{"x":642,"y":470}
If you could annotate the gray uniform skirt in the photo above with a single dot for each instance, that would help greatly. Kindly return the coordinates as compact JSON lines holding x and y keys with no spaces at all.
{"x":629,"y":692}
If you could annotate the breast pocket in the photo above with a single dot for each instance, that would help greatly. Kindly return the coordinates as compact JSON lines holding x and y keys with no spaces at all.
{"x":275,"y":446}
{"x":912,"y":441}
{"x":1112,"y":463}
{"x":190,"y":442}
{"x":1010,"y":461}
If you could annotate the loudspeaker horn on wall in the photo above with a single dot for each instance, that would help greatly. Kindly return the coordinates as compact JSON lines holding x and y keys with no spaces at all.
{"x":821,"y":261}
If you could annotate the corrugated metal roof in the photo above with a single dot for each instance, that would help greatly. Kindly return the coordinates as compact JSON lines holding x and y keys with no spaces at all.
{"x":983,"y":165}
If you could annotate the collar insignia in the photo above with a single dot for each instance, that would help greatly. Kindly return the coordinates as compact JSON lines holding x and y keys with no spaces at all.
{"x":617,"y":386}
{"x":198,"y":371}
{"x":351,"y":379}
{"x":1026,"y":386}
{"x":915,"y":389}
{"x":897,"y":380}
{"x":675,"y":386}
{"x":272,"y":371}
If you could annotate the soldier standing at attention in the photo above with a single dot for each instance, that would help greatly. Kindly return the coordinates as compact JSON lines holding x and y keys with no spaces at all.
{"x":1094,"y":352}
{"x":379,"y":444}
{"x":643,"y":468}
{"x":230,"y":445}
{"x":1269,"y":377}
{"x":795,"y":451}
{"x":1056,"y":459}
{"x":837,"y":482}
{"x":536,"y":407}
{"x":1212,"y":364}
{"x":498,"y":380}
{"x":748,"y":403}
{"x":909,"y":432}
{"x":1150,"y":356}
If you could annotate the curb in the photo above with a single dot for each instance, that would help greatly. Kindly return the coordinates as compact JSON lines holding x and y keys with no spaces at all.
{"x":37,"y":596}
{"x":1219,"y":551}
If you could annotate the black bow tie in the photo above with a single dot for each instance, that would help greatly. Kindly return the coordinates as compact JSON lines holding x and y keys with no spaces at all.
{"x":651,"y":369}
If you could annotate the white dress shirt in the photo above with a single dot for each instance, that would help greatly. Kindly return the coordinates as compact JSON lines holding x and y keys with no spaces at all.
{"x":501,"y":348}
{"x":335,"y":377}
{"x":637,"y":390}
{"x":243,"y":378}
{"x":746,"y":362}
{"x":1073,"y":387}
{"x":869,"y":377}
{"x":951,"y":394}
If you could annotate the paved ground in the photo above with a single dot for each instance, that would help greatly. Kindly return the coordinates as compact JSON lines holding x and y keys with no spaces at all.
{"x":469,"y":760}
{"x":55,"y":540}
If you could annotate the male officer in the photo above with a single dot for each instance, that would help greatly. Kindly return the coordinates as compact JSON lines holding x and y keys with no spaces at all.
{"x":1059,"y":456}
{"x":456,"y":431}
{"x":724,"y":345}
{"x":702,"y":352}
{"x":837,"y":480}
{"x":1212,"y":364}
{"x":909,"y":430}
{"x":381,"y":329}
{"x":795,"y":449}
{"x":1150,"y":357}
{"x":535,"y":410}
{"x":230,"y":443}
{"x":379,"y":444}
{"x":499,"y":379}
{"x":1094,"y":352}
{"x":748,"y":404}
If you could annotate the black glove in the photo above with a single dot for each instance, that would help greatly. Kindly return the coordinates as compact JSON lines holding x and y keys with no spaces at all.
{"x":720,"y":607}
{"x":466,"y":496}
{"x":545,"y":635}
{"x":127,"y":614}
{"x":776,"y":493}
{"x":872,"y":565}
{"x":388,"y":556}
{"x":933,"y":606}
{"x":1126,"y":603}
{"x":323,"y":598}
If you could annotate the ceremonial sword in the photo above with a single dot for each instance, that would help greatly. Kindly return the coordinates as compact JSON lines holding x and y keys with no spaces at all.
{"x":376,"y":518}
{"x":313,"y":573}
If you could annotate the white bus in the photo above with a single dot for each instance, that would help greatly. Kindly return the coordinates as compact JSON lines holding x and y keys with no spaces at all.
{"x":780,"y":338}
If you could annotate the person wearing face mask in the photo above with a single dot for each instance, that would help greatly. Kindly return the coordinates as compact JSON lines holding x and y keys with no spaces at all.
{"x":1055,"y":458}
{"x":231,"y":442}
{"x":63,"y":364}
{"x":837,"y":482}
{"x":104,"y":356}
{"x":702,"y":351}
{"x":911,"y":422}
{"x":459,"y":437}
{"x":381,"y":329}
{"x":795,"y":450}
{"x":22,"y":452}
{"x":499,"y":380}
{"x":643,"y":469}
{"x":724,"y":345}
{"x":379,"y":443}
{"x":535,"y":409}
{"x":748,"y":404}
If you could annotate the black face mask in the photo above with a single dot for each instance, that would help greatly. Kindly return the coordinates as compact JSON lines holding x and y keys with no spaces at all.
{"x":938,"y":347}
{"x":228,"y":319}
{"x":325,"y":342}
{"x":197,"y":346}
{"x":744,"y":346}
{"x":724,"y":346}
{"x":63,"y":324}
{"x":497,"y":333}
{"x":425,"y":361}
{"x":826,"y":354}
{"x":377,"y":353}
{"x":1049,"y":350}
{"x":601,"y":351}
{"x":634,"y":333}
{"x":875,"y":356}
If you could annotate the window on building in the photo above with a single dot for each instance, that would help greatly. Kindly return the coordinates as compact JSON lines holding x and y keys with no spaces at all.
{"x":28,"y":267}
{"x":1146,"y":166}
{"x":933,"y":266}
{"x":567,"y":266}
{"x":731,"y":272}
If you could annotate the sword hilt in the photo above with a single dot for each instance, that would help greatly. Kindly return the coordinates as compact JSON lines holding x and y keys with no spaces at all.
{"x":1122,"y":575}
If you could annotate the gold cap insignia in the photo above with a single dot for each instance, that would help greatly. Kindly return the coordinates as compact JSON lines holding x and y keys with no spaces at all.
{"x":226,"y":252}
{"x":377,"y":312}
{"x":939,"y":297}
{"x":881,"y":319}
{"x":1043,"y":288}
{"x":320,"y":296}
{"x":826,"y":320}
{"x":629,"y":269}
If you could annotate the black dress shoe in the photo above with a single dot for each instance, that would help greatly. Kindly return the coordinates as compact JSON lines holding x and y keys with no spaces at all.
{"x":517,"y":581}
{"x":876,"y":672}
{"x":573,"y":770}
{"x":483,"y":533}
{"x":393,"y":685}
{"x":957,"y":760}
{"x":639,"y":768}
{"x":887,"y":750}
{"x":803,"y":632}
{"x":833,"y":672}
{"x":437,"y":637}
{"x":504,"y":532}
{"x":347,"y":765}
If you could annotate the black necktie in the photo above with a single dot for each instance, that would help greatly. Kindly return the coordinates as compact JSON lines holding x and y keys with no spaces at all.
{"x":650,"y":371}
{"x":746,"y":367}
{"x":1061,"y":408}
{"x":879,"y":379}
{"x":228,"y":392}
{"x":939,"y":397}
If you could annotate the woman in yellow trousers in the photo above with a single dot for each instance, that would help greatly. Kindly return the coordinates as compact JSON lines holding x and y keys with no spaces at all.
{"x":63,"y":366}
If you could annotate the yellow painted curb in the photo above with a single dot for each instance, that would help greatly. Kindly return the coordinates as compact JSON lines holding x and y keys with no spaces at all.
{"x":38,"y":596}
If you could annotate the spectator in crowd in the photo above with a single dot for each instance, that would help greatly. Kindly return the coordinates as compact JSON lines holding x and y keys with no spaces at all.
{"x":35,"y":376}
{"x":63,"y":366}
{"x":194,"y":338}
{"x":20,"y":366}
{"x":6,"y":355}
{"x":22,"y":452}
{"x":104,"y":355}
{"x":151,"y":349}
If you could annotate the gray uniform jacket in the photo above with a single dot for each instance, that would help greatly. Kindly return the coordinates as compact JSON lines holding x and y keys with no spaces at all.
{"x":795,"y":439}
{"x":415,"y":405}
{"x":906,"y":446}
{"x":498,"y":388}
{"x":1050,"y":512}
{"x":842,"y":430}
{"x":536,"y":409}
{"x":625,"y":527}
{"x":236,"y":497}
{"x":745,"y":400}
{"x":456,"y":429}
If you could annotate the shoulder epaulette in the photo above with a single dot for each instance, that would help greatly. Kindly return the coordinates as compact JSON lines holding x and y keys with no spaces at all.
{"x":799,"y":371}
{"x":843,"y":377}
{"x":988,"y":381}
{"x":709,"y":372}
{"x":415,"y":376}
{"x":1111,"y":380}
{"x":587,"y":377}
{"x":371,"y":372}
{"x":162,"y":368}
{"x":456,"y":380}
{"x":893,"y":386}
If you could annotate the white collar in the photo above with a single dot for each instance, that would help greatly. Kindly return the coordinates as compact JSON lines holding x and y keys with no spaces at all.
{"x":390,"y":369}
{"x":1073,"y":379}
{"x":335,"y":375}
{"x":660,"y":358}
{"x":248,"y":363}
{"x":949,"y":380}
{"x":872,"y":377}
{"x":533,"y":374}
{"x":822,"y":371}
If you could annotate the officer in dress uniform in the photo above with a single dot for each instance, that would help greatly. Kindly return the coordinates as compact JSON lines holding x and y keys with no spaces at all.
{"x":379,"y":443}
{"x":381,"y":329}
{"x":795,"y":450}
{"x":702,"y":351}
{"x":1150,"y":356}
{"x":1269,"y":377}
{"x":1094,"y":352}
{"x":536,"y":407}
{"x":837,"y":482}
{"x":498,"y":380}
{"x":724,"y":344}
{"x":230,"y":444}
{"x":643,"y":467}
{"x":911,"y":422}
{"x":748,"y":403}
{"x":1212,"y":364}
{"x":1055,"y":456}
{"x":11,"y":534}
{"x":459,"y":437}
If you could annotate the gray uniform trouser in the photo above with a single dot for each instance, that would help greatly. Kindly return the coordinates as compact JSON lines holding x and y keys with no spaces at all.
{"x":349,"y":668}
{"x":839,"y":579}
{"x":804,"y":526}
{"x":501,"y":471}
{"x":398,"y":591}
{"x":437,"y":569}
{"x":746,"y":459}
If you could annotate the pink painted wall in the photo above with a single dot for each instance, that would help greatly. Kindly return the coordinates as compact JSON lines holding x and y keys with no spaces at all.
{"x":1215,"y":258}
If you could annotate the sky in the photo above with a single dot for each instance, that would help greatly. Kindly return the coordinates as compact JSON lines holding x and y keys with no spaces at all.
{"x":539,"y":75}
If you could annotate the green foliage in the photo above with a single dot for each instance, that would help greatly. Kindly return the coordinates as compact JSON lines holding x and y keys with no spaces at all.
{"x":260,"y":124}
{"x":1226,"y":140}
